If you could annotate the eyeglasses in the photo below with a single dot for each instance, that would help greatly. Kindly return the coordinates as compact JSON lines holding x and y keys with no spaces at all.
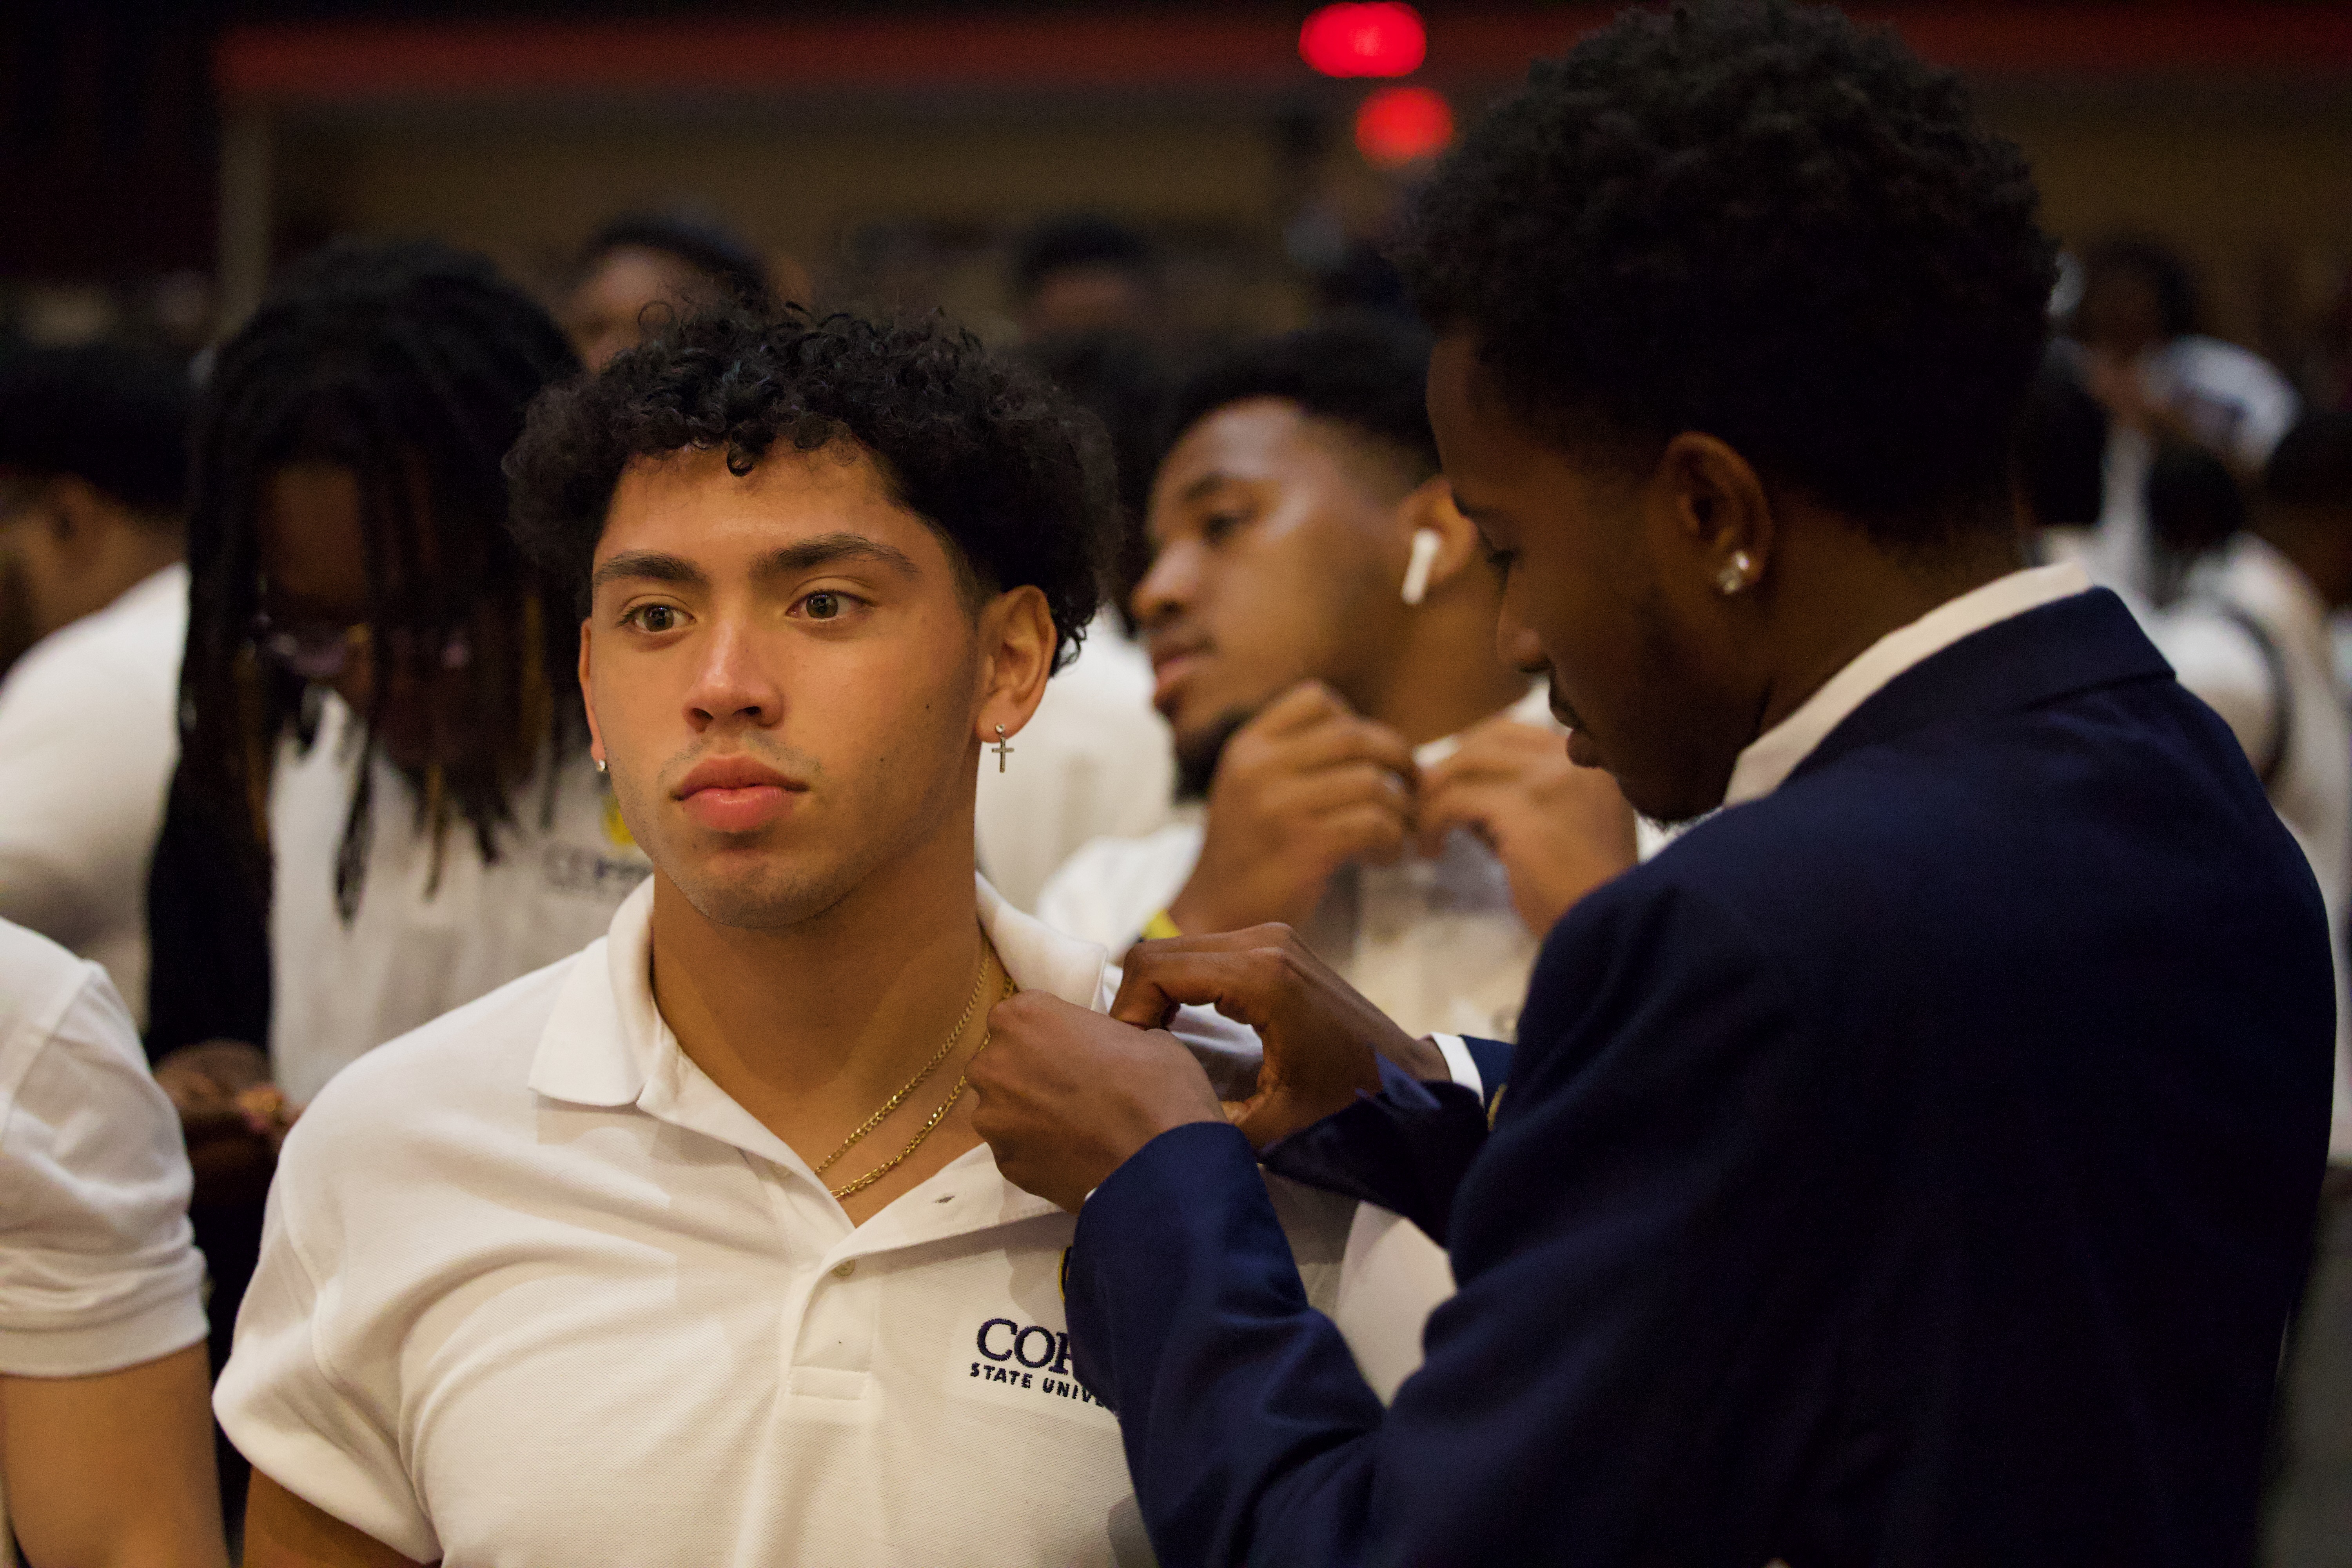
{"x":322,"y":650}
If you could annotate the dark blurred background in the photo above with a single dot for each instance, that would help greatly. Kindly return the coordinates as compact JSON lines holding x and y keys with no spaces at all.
{"x":156,"y":163}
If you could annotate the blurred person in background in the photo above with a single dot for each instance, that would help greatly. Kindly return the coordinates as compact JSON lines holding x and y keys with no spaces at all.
{"x":1083,"y":273}
{"x":105,"y":1441}
{"x":2161,"y":380}
{"x":2059,"y":460}
{"x":1322,"y":623}
{"x":93,"y":457}
{"x":1096,"y":760}
{"x":2280,"y":583}
{"x":641,"y":271}
{"x":383,"y":805}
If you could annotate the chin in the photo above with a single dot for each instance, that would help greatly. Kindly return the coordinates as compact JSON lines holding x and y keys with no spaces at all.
{"x":763,"y":897}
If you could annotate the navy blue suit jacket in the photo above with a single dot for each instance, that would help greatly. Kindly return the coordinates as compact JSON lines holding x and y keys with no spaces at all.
{"x":1913,"y":1167}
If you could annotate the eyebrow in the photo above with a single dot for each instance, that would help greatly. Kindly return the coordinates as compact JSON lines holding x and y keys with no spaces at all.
{"x":823,"y":549}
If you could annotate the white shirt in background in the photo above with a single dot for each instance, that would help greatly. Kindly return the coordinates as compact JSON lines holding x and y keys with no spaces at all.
{"x":2235,"y":401}
{"x":1095,"y":760}
{"x":409,"y":955}
{"x":2311,"y":785}
{"x":1434,"y":943}
{"x":98,"y":1269}
{"x":88,"y":732}
{"x":535,"y":1289}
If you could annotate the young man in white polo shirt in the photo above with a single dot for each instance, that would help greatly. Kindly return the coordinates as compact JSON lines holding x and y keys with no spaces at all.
{"x":684,"y":1249}
{"x":1364,"y":767}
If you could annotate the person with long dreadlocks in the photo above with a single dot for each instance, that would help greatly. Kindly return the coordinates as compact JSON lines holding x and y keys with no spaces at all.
{"x":384,"y":806}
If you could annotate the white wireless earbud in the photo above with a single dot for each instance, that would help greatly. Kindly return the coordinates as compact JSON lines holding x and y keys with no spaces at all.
{"x":1425,"y":541}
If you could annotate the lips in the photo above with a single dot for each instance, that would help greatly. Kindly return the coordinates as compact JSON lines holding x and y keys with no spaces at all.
{"x":1174,"y":660}
{"x":735,"y":794}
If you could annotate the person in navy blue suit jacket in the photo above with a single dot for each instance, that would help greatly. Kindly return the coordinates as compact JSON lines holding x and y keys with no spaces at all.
{"x":1912,"y":1164}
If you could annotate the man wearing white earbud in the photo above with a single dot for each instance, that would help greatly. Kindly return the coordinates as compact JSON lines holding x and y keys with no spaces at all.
{"x":1322,"y":628}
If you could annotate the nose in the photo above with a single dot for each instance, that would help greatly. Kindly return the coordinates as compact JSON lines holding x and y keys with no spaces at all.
{"x":733,"y":682}
{"x":1169,"y":589}
{"x":1516,"y":643}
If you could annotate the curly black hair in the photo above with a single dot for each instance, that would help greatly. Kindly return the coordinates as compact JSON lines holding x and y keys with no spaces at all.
{"x":1762,"y":222}
{"x":1013,"y":477}
{"x":1360,"y":371}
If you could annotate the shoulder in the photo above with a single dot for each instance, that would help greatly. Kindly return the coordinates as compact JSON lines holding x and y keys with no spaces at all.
{"x":467,"y":1068}
{"x":38,"y":981}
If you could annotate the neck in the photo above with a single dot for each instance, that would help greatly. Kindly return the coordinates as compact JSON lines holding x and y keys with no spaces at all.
{"x":838,"y":1006}
{"x":1442,"y":675}
{"x":1835,"y":594}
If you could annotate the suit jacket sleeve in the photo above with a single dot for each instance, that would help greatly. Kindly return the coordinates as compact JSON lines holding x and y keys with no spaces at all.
{"x":1641,"y":1341}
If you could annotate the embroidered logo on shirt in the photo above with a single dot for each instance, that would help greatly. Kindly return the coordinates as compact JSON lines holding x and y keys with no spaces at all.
{"x":1007,"y":1362}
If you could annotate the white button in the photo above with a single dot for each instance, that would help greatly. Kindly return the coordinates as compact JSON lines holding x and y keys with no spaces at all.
{"x":844,"y":1271}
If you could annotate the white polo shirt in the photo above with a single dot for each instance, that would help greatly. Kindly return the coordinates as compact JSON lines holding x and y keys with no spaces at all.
{"x":89,"y":732}
{"x":416,"y":950}
{"x":98,"y":1270}
{"x":534,"y":1291}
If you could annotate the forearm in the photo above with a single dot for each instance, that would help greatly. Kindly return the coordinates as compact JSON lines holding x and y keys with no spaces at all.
{"x":1406,"y":1149}
{"x":1237,"y":1399}
{"x":114,"y":1469}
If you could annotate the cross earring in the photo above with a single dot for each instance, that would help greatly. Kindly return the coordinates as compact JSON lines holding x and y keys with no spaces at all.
{"x":1734,"y":575}
{"x":1002,"y":751}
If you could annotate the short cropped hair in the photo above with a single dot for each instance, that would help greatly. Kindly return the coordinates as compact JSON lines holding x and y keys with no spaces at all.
{"x":1013,"y":477}
{"x":1764,"y":223}
{"x":116,"y":418}
{"x":1364,"y":372}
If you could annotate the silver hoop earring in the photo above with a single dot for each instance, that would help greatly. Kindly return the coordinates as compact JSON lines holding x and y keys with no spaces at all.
{"x":1735,"y":574}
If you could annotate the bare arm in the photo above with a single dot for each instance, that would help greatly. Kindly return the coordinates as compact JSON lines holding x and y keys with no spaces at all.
{"x":281,"y":1531}
{"x":116,"y":1469}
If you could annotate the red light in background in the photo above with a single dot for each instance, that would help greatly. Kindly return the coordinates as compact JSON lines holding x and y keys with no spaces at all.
{"x":1381,"y":39}
{"x":1399,"y":125}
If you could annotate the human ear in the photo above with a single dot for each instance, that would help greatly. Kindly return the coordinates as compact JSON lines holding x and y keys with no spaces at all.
{"x":1435,"y":530}
{"x":1719,"y":511}
{"x":1018,"y":647}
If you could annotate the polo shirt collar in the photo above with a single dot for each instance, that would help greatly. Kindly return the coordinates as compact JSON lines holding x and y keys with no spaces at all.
{"x":604,"y":1043}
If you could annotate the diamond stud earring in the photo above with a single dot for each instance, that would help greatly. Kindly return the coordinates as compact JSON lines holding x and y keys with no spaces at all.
{"x":1735,"y":573}
{"x":601,"y":767}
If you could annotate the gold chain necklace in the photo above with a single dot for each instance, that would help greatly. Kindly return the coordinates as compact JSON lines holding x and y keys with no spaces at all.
{"x":978,"y":982}
{"x":962,"y":1080}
